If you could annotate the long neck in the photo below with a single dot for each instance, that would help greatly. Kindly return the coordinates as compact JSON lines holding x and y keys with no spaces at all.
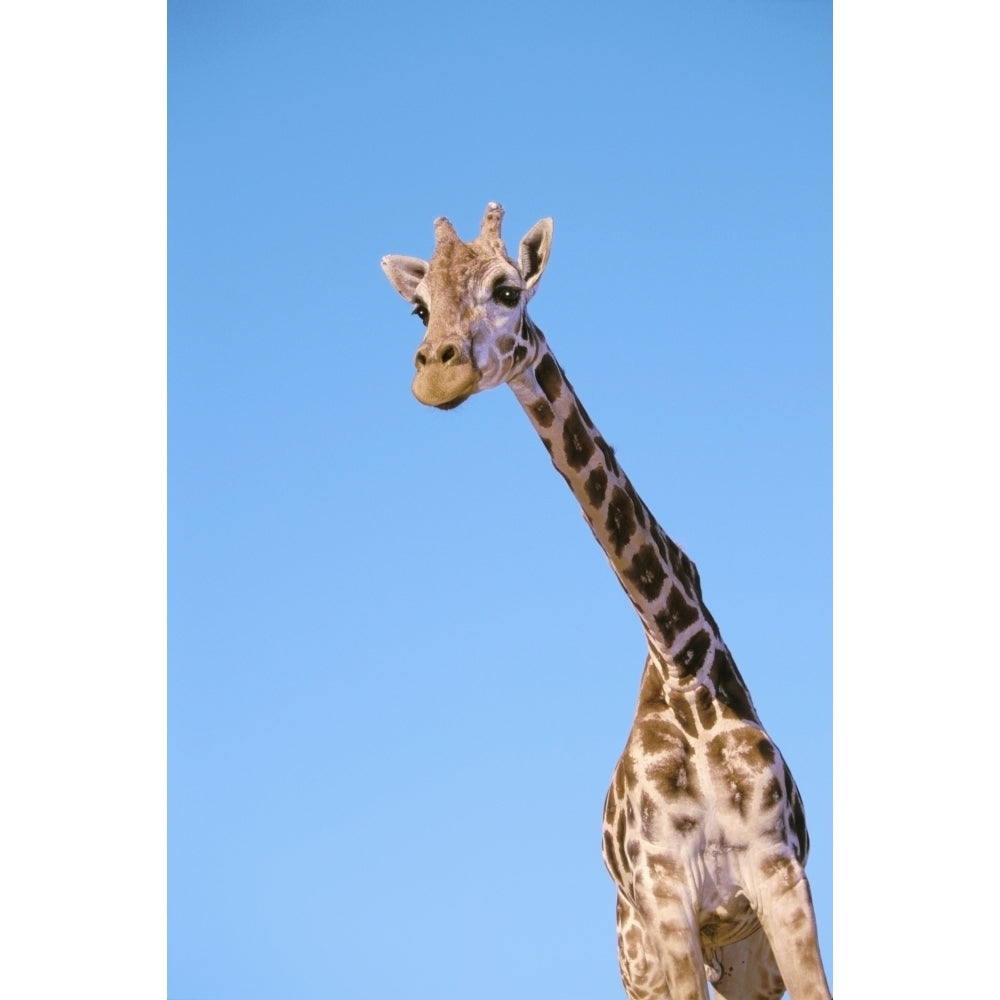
{"x":659,"y":579}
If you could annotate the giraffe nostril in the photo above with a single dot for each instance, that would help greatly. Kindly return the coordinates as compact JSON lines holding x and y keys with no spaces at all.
{"x":448,"y":354}
{"x":420,"y":360}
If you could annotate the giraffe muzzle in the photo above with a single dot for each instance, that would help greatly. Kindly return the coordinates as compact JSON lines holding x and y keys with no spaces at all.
{"x":446,"y":376}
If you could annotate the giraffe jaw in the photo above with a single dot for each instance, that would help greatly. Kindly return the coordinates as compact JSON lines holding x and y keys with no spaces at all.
{"x":445,"y":386}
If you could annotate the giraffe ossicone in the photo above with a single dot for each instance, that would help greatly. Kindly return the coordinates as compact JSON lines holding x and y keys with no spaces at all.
{"x":704,"y":830}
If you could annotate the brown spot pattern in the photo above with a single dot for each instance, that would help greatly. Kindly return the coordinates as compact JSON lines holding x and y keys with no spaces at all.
{"x":620,"y":834}
{"x":650,"y":689}
{"x":596,"y":486}
{"x":609,"y":808}
{"x":684,"y":569}
{"x":609,"y":455}
{"x":778,"y":865}
{"x":549,"y":378}
{"x":620,"y":522}
{"x":738,"y":759}
{"x":611,"y":859}
{"x":660,"y":539}
{"x":646,"y":572}
{"x":664,"y":867}
{"x":577,"y":442}
{"x":682,"y":712}
{"x":798,"y":920}
{"x":672,"y":778}
{"x":692,"y":657}
{"x":705,"y":703}
{"x":542,"y":412}
{"x":729,"y":687}
{"x":771,"y":795}
{"x":662,"y":737}
{"x":620,"y":782}
{"x":639,"y":506}
{"x":711,"y":622}
{"x":675,"y":616}
{"x":798,"y":818}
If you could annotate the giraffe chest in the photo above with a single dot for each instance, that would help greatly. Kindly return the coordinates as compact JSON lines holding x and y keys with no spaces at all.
{"x":689,"y":816}
{"x":677,"y":853}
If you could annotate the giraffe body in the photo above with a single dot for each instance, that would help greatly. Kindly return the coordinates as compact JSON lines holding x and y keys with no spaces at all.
{"x":704,"y":830}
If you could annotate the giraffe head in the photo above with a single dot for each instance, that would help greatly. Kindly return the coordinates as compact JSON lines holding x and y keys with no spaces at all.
{"x":472,"y":298}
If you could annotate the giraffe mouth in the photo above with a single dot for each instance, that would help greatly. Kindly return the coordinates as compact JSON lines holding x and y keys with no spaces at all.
{"x":452,"y":403}
{"x":445,"y":386}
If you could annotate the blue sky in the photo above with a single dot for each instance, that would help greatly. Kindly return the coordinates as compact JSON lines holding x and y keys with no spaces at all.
{"x":396,"y":668}
{"x":400,"y":669}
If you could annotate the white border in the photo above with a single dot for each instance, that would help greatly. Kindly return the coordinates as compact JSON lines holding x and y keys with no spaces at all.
{"x":83,"y":425}
{"x":916,"y":275}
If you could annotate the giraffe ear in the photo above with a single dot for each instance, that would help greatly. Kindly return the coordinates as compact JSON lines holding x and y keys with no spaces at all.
{"x":533,"y":253}
{"x":405,"y":273}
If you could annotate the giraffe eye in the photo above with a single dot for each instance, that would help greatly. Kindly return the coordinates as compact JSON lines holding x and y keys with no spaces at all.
{"x":419,"y":309}
{"x":507,"y":296}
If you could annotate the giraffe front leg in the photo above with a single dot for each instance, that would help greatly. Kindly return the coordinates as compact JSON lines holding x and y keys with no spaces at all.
{"x":661,"y":962}
{"x":637,"y":963}
{"x":787,"y":916}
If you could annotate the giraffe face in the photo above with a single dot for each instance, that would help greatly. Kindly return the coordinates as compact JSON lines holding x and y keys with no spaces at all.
{"x":471,"y":297}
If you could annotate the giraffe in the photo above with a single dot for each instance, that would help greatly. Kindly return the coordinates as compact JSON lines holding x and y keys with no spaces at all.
{"x":704,"y":832}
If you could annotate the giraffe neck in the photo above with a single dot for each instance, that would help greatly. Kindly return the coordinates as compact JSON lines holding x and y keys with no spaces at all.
{"x":659,"y":579}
